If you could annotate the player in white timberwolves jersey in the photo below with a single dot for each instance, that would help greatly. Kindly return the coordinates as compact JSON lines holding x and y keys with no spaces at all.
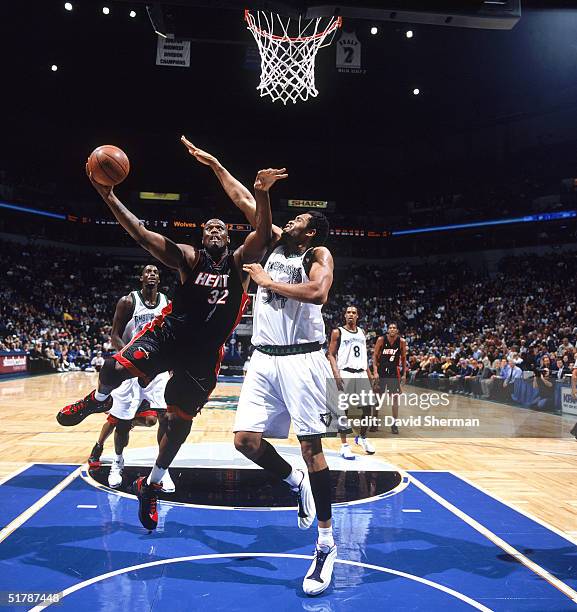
{"x":289,"y":377}
{"x":348,"y":358}
{"x":132,"y":313}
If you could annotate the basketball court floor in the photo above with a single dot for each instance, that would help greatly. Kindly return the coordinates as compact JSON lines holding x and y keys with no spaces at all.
{"x":424,"y":524}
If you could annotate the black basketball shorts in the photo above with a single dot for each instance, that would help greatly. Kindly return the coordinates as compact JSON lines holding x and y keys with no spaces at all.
{"x":193,"y":371}
{"x":390,"y":382}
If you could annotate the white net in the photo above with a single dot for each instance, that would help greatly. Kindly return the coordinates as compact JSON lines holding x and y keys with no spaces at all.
{"x":288,"y":62}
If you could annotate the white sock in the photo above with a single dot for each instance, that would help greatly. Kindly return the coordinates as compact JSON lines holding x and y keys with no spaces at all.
{"x":156,"y":475}
{"x":100,"y":397}
{"x":294,"y":478}
{"x":326,"y":537}
{"x":119,"y":457}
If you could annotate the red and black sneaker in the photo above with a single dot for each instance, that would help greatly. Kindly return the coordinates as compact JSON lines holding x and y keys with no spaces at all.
{"x":94,"y":459}
{"x":147,"y":502}
{"x":77,"y":412}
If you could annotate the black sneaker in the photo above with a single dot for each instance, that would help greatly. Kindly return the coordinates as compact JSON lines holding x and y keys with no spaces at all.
{"x":94,"y":459}
{"x":394,"y":429}
{"x":573,"y":432}
{"x":147,"y":502}
{"x":77,"y":412}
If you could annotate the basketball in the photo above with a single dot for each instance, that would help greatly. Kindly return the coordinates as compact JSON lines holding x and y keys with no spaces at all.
{"x":108,"y":165}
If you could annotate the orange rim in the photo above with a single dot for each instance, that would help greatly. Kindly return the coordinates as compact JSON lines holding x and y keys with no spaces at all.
{"x":252,"y":25}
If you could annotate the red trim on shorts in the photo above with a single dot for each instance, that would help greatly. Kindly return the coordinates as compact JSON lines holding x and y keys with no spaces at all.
{"x":131,"y":367}
{"x":156,"y":322}
{"x":146,"y":413}
{"x":112,"y":419}
{"x":172,"y":409}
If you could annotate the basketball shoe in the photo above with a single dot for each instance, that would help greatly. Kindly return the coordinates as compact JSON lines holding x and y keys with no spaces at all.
{"x":320,"y":572}
{"x":168,"y":485}
{"x":347,"y":453}
{"x":147,"y":495}
{"x":115,"y":475}
{"x":366,"y":444}
{"x":306,"y":501}
{"x":76,"y":413}
{"x":94,"y":459}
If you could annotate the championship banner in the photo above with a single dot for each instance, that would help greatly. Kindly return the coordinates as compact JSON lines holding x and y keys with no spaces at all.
{"x":172,"y":52}
{"x":12,"y":362}
{"x":568,"y":404}
{"x":349,"y":54}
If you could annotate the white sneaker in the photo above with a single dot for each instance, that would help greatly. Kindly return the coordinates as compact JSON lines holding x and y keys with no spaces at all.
{"x":115,"y":476}
{"x":367,"y":446}
{"x":347,"y":453}
{"x":320,"y":572}
{"x":167,"y":484}
{"x":306,"y":502}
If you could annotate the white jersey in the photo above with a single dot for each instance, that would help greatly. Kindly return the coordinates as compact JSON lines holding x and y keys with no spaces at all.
{"x":142,"y":314}
{"x":352,"y":351}
{"x":279,"y":320}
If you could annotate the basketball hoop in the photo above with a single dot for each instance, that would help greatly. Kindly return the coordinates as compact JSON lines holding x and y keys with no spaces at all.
{"x":288,"y":62}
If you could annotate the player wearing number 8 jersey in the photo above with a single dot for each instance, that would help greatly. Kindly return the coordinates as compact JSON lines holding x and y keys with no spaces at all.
{"x":187,"y":338}
{"x":347,"y":355}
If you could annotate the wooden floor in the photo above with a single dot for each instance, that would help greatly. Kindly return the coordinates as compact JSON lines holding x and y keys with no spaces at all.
{"x":535,"y":475}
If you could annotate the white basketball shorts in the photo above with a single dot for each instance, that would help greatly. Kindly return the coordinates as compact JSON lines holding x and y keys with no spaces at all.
{"x":357,"y":388}
{"x":281,"y":389}
{"x":127,"y":398}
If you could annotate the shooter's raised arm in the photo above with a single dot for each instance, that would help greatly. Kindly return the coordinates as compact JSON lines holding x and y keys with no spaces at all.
{"x":257,"y":242}
{"x":235,"y":190}
{"x":159,"y":246}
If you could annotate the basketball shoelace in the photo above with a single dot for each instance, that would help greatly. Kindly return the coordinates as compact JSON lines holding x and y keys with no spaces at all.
{"x":79,"y":405}
{"x":321,"y":557}
{"x":152,"y":499}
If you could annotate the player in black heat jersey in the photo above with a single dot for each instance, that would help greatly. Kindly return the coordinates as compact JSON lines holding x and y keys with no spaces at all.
{"x":188,"y":337}
{"x":390,"y":367}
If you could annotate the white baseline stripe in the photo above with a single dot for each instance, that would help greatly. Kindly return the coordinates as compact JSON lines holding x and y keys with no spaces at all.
{"x":378,"y":568}
{"x":510,"y":505}
{"x":15,"y":473}
{"x":36,"y":506}
{"x":510,"y":550}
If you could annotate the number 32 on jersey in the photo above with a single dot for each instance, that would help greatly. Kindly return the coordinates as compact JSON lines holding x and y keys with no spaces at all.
{"x":218,"y":296}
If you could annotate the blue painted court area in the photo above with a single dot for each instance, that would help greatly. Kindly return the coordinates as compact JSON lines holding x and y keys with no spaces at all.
{"x":407,"y":551}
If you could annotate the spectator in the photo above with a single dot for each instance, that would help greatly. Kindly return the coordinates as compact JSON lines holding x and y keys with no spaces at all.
{"x":545,"y":386}
{"x":97,"y":361}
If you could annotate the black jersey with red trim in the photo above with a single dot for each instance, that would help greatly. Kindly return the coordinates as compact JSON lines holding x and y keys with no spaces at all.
{"x":390,"y":357}
{"x":208,"y":306}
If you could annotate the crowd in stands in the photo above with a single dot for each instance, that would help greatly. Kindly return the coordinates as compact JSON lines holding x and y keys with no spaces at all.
{"x":467,"y":331}
{"x":57,"y":305}
{"x":464,"y":329}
